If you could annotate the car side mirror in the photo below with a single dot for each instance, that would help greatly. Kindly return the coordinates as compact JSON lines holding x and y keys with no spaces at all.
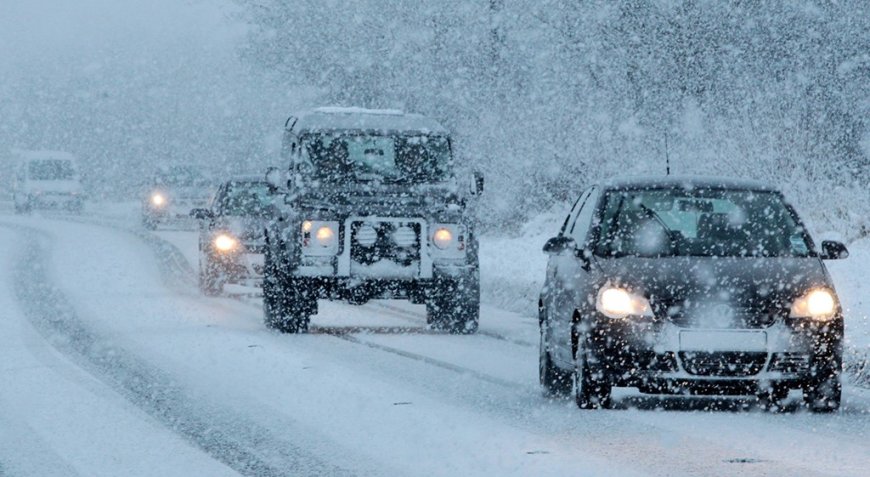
{"x":558,"y":245}
{"x":833,"y":250}
{"x":201,"y":214}
{"x":477,"y":184}
{"x":276,"y":178}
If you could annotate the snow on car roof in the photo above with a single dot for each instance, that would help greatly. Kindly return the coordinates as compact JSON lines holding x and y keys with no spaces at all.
{"x":37,"y":155}
{"x":685,"y":181}
{"x":361,"y":119}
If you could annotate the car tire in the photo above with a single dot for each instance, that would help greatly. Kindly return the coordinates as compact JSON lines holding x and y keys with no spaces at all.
{"x":591,"y":390}
{"x":555,"y":382}
{"x":209,"y":278}
{"x":823,"y":393}
{"x":772,"y":397}
{"x":453,"y":305}
{"x":149,"y":223}
{"x":286,"y":307}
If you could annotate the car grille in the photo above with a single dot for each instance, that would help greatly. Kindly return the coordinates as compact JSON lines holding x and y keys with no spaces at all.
{"x":397,"y":242}
{"x":741,"y":317}
{"x":723,"y":364}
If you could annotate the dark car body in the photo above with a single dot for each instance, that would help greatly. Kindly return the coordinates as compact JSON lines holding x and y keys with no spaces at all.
{"x":372,"y":209}
{"x":712,"y":275}
{"x":171,"y":193}
{"x":232,"y":234}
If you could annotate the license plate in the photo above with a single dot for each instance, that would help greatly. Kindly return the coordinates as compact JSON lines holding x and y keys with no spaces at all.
{"x":712,"y":341}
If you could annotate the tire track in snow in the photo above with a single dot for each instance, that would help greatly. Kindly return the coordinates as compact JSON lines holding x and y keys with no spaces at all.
{"x":701,"y":456}
{"x":240,"y":444}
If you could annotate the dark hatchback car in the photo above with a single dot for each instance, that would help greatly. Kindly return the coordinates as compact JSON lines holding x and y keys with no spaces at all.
{"x":231,"y":234}
{"x":689,"y":285}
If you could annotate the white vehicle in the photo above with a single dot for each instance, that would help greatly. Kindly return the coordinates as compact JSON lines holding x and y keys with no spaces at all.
{"x":46,"y":179}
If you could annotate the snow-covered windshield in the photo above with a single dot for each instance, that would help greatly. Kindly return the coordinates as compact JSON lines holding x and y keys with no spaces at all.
{"x":181,"y":177}
{"x":364,"y":157}
{"x":51,"y":170}
{"x":245,"y":198}
{"x":711,"y":222}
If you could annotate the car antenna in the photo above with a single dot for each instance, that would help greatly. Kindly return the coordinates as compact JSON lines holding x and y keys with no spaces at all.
{"x":667,"y":158}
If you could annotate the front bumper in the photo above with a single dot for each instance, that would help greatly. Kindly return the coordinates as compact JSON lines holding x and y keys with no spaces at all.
{"x":661,"y":356}
{"x":239,"y":268}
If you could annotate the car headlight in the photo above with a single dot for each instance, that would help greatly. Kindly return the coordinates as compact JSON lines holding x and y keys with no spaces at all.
{"x":819,"y":303}
{"x":157,"y":199}
{"x":442,"y":238}
{"x":448,"y":239}
{"x":319,"y":237}
{"x":616,"y":302}
{"x":225,"y":243}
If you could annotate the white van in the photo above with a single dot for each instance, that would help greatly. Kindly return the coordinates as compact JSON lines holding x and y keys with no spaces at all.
{"x":46,"y":179}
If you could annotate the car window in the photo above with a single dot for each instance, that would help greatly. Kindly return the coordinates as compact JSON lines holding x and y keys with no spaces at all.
{"x":580,"y":228}
{"x":570,"y":218}
{"x":245,"y":198}
{"x":700,"y":222}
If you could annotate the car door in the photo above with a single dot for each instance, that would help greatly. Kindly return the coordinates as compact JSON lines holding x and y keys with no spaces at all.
{"x":570,"y":276}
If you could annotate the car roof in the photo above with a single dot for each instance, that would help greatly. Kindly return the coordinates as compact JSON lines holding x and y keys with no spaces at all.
{"x":685,"y":181}
{"x":361,"y":119}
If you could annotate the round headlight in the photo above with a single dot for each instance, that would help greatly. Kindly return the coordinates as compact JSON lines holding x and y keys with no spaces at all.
{"x":158,"y":199}
{"x":442,"y":238}
{"x":325,"y":236}
{"x":225,"y":243}
{"x":819,"y":303}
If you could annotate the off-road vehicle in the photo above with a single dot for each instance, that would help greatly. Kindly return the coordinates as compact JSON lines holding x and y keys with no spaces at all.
{"x":371,"y":208}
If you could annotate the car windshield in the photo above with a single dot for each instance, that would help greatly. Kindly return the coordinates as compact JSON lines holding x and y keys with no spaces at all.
{"x":51,"y":170}
{"x":699,"y":222}
{"x":181,"y":177}
{"x":246,"y":198}
{"x":364,"y":157}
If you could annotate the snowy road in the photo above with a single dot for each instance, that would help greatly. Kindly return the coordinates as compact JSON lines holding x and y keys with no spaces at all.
{"x":113,"y":364}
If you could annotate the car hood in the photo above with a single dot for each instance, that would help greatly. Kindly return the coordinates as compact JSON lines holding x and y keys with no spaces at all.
{"x":744,"y":282}
{"x":429,"y":200}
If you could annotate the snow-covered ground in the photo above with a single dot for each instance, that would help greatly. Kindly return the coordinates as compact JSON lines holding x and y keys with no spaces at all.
{"x":114,"y":364}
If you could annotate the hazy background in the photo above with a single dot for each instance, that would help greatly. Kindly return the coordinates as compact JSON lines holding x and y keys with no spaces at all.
{"x":543,"y":96}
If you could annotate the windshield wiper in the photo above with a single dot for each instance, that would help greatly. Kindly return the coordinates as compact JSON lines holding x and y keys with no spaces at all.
{"x":668,"y":231}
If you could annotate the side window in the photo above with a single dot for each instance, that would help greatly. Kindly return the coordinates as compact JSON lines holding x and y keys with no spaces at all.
{"x":569,"y":220}
{"x":580,"y":228}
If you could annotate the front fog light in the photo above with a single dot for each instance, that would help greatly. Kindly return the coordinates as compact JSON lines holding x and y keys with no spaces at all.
{"x":819,"y":304}
{"x":225,"y":243}
{"x":619,"y":303}
{"x":319,"y":237}
{"x":158,"y":200}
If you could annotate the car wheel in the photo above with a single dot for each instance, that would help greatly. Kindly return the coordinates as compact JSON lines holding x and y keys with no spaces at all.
{"x":591,"y":390}
{"x":554,"y":381}
{"x":773,"y":397}
{"x":286,"y":308}
{"x":824,"y":391}
{"x":209,"y":278}
{"x":454,"y":306}
{"x":149,"y":222}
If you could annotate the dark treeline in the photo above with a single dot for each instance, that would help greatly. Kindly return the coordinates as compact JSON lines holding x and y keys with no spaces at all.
{"x":546,"y":96}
